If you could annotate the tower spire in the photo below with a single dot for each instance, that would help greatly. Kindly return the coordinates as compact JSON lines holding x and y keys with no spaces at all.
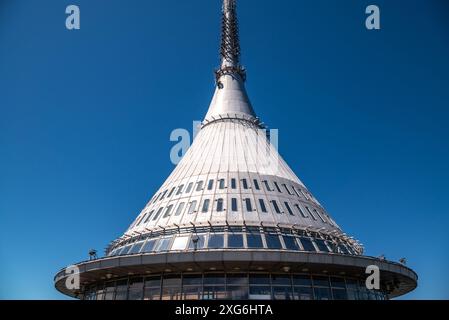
{"x":230,"y":43}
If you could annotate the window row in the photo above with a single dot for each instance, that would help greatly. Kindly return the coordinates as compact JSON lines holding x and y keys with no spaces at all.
{"x":247,"y":206}
{"x":245,"y":184}
{"x":233,"y":287}
{"x":230,"y":240}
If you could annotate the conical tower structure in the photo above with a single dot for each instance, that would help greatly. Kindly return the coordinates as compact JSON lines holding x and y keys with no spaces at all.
{"x":233,"y":221}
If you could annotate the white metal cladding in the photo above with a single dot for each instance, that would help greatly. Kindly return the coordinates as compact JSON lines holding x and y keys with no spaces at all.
{"x":232,"y":173}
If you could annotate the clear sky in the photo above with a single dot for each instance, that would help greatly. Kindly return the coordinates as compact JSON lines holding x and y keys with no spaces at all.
{"x":85,"y":120}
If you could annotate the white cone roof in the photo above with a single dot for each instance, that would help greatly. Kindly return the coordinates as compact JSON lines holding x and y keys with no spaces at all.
{"x":232,"y":149}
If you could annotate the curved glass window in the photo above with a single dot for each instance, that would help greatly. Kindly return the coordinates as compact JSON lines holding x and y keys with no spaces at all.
{"x":125,"y":250}
{"x":291,"y":243}
{"x":180,"y":189}
{"x":179,"y":209}
{"x":216,"y":241}
{"x":343,"y":249}
{"x":192,"y":207}
{"x":210,"y":186}
{"x":321,"y":244}
{"x":163,"y":244}
{"x":307,"y":244}
{"x":180,"y":243}
{"x":254,"y":241}
{"x":205,"y":206}
{"x":197,"y":241}
{"x":220,"y":205}
{"x":135,"y":290}
{"x":235,"y":241}
{"x":149,"y":246}
{"x":199,"y":186}
{"x":302,"y":280}
{"x":273,"y":241}
{"x":221,"y":184}
{"x":136,"y":248}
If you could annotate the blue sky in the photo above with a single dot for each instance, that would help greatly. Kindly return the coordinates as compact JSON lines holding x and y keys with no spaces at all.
{"x":85,"y":120}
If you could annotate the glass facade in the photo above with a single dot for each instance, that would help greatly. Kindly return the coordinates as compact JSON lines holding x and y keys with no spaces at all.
{"x":233,"y":286}
{"x":228,"y":237}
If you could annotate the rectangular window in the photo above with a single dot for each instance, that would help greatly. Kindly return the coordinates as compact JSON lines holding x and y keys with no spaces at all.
{"x":180,"y":190}
{"x":245,"y":184}
{"x":163,"y":195}
{"x":235,"y":240}
{"x":248,"y":204}
{"x":192,"y":207}
{"x":319,"y":215}
{"x":168,"y":211}
{"x":158,"y":213}
{"x":286,"y":188}
{"x":149,"y":246}
{"x":205,"y":205}
{"x":256,"y":184}
{"x":311,"y":214}
{"x":148,"y":217}
{"x":288,"y":208}
{"x":136,"y":248}
{"x":321,"y":244}
{"x":216,"y":241}
{"x":233,"y":184}
{"x":276,"y":207}
{"x":300,"y":211}
{"x":273,"y":241}
{"x":294,"y":189}
{"x":254,"y":241}
{"x":291,"y":243}
{"x":222,"y":184}
{"x":162,"y":245}
{"x":210,"y":186}
{"x":220,"y":205}
{"x":277,"y":187}
{"x":199,"y":186}
{"x":171,"y":192}
{"x":234,"y":205}
{"x":305,"y":195}
{"x":180,"y":208}
{"x":189,"y":187}
{"x":262,"y":206}
{"x":267,"y":185}
{"x":308,"y":244}
{"x":180,"y":243}
{"x":197,"y":241}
